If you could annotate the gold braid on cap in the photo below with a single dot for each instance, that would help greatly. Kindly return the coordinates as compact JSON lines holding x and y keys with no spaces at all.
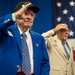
{"x":26,"y":3}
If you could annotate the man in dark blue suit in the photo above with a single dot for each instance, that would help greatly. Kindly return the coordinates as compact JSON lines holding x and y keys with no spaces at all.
{"x":11,"y":28}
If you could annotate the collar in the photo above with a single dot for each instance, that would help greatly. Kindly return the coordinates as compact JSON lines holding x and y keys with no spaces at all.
{"x":27,"y":32}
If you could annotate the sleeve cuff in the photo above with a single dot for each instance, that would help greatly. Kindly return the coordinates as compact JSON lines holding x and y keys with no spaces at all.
{"x":13,"y":17}
{"x":48,"y":33}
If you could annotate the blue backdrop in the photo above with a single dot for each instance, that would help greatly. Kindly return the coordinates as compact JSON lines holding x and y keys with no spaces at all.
{"x":43,"y":18}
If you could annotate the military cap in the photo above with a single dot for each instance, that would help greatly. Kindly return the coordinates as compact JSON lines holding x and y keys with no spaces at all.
{"x":35,"y":9}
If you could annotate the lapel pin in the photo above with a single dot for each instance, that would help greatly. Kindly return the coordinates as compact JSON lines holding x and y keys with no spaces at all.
{"x":10,"y":34}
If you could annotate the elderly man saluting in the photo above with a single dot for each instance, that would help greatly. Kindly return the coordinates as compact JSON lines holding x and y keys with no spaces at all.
{"x":59,"y":50}
{"x":22,"y":51}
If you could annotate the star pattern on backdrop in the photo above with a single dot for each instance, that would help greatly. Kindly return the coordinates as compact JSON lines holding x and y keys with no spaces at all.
{"x":58,"y":19}
{"x":64,"y":12}
{"x":72,"y":3}
{"x":59,"y":4}
{"x":71,"y":18}
{"x":71,"y":33}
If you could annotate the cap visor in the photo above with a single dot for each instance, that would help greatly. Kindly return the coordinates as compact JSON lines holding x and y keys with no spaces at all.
{"x":34,"y":8}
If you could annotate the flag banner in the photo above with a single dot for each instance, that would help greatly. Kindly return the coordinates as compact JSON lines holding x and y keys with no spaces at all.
{"x":64,"y":12}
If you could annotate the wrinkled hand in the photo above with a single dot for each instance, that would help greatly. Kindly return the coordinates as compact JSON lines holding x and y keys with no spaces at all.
{"x":21,"y":12}
{"x":60,"y":26}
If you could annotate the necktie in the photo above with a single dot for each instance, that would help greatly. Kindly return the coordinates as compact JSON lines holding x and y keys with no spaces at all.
{"x":67,"y":49}
{"x":26,"y":66}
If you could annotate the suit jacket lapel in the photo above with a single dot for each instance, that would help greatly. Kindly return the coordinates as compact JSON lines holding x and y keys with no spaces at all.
{"x":60,"y":46}
{"x":17,"y":37}
{"x":35,"y":50}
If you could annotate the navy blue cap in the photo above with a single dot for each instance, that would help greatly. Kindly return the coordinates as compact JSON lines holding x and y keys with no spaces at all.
{"x":35,"y":9}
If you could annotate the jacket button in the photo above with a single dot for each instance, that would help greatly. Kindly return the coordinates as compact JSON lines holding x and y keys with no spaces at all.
{"x":18,"y":66}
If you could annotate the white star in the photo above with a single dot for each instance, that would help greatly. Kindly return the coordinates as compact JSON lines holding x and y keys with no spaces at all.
{"x":71,"y":33}
{"x":59,"y":4}
{"x":65,"y":11}
{"x":71,"y":3}
{"x":71,"y":18}
{"x":58,"y":19}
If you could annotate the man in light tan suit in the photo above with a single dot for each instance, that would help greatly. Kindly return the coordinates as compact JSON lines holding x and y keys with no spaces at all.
{"x":60,"y":62}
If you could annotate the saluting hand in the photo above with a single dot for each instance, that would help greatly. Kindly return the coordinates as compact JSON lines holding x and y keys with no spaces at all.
{"x":60,"y":26}
{"x":19,"y":13}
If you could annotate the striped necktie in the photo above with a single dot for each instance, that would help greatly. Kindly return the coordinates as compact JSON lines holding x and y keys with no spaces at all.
{"x":26,"y":66}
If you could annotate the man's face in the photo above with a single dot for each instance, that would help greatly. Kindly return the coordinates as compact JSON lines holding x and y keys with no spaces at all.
{"x":26,"y":20}
{"x":63,"y":34}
